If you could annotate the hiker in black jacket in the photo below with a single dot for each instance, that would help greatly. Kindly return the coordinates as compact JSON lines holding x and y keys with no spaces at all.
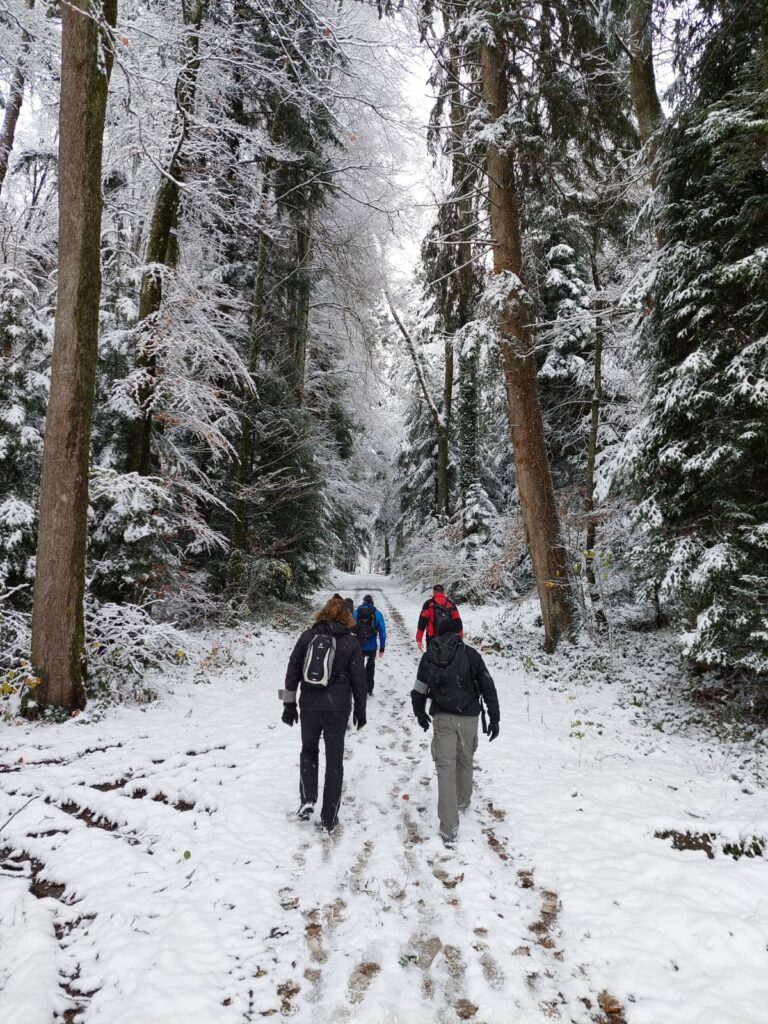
{"x":327,"y":664}
{"x":454,"y":675}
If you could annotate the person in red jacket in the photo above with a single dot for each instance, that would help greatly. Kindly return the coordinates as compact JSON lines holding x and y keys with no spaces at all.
{"x":438,"y":607}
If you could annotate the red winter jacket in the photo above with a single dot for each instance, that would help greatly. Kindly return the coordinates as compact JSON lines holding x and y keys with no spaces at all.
{"x":426,"y":619}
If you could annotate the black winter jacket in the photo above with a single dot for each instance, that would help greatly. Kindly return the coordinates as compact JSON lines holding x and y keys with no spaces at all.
{"x":347,"y":679}
{"x":446,"y":647}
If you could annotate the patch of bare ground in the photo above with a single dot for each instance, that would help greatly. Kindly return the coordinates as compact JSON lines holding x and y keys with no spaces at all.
{"x":709,"y":842}
{"x":496,"y":812}
{"x":22,"y":864}
{"x":609,"y":1010}
{"x":690,"y":841}
{"x":161,"y":798}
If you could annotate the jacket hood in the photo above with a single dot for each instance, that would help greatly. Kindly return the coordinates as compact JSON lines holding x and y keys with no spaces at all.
{"x":442,"y":649}
{"x":330,"y":628}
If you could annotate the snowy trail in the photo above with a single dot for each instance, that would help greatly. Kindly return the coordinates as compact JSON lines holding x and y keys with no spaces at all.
{"x":158,"y":876}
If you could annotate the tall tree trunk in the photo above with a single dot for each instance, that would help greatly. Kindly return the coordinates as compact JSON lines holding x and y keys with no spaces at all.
{"x":589,"y":483}
{"x":441,"y":494}
{"x":642,"y":77}
{"x":302,"y":299}
{"x":459,"y":293}
{"x":443,"y":437}
{"x":13,"y":106}
{"x":161,"y":243}
{"x":245,"y":447}
{"x":387,"y":556}
{"x":57,"y":616}
{"x":534,"y":481}
{"x":468,"y":423}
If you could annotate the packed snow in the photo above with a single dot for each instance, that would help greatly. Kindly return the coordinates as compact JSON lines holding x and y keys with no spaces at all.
{"x":153,"y":871}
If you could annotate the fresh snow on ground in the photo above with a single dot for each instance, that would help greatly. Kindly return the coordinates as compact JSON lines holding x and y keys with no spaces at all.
{"x":152,"y":871}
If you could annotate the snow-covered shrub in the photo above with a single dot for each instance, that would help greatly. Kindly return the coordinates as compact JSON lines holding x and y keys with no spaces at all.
{"x":141,"y":530}
{"x":124,"y":643}
{"x":438,"y":553}
{"x":259,"y":579}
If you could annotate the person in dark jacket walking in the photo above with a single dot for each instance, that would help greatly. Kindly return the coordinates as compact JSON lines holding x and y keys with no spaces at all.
{"x":433,"y":611}
{"x":454,"y":675}
{"x":372,"y":633}
{"x":326,"y":671}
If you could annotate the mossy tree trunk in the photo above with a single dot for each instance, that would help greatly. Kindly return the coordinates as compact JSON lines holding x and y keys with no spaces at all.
{"x":57,"y":617}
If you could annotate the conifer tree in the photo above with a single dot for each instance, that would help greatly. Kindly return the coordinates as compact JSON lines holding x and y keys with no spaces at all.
{"x":703,"y":449}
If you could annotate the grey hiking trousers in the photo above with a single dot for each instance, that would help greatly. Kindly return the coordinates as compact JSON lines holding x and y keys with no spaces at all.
{"x":454,"y":743}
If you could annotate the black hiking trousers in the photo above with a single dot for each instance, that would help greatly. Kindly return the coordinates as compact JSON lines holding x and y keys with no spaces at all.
{"x":370,"y":669}
{"x":331,"y":725}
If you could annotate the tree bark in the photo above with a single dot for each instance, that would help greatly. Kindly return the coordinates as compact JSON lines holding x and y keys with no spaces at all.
{"x":387,"y":556}
{"x":589,"y":484}
{"x":245,"y":447}
{"x":642,"y":78}
{"x":534,"y":482}
{"x":302,"y":298}
{"x":57,"y":616}
{"x":13,"y":106}
{"x":459,"y":305}
{"x":161,"y":243}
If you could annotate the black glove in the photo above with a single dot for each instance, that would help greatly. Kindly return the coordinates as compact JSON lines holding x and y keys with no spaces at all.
{"x":359,"y":719}
{"x":423,"y":719}
{"x":290,"y":714}
{"x":493,"y":731}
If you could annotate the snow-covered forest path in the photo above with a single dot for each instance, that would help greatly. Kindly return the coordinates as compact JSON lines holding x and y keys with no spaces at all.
{"x":154,"y":872}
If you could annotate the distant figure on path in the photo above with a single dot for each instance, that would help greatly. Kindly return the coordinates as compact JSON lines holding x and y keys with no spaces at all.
{"x":326,"y":670}
{"x":371,"y":632}
{"x":433,"y":612}
{"x":454,"y":675}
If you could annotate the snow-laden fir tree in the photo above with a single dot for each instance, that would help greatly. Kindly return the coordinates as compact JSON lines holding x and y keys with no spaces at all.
{"x":702,"y":452}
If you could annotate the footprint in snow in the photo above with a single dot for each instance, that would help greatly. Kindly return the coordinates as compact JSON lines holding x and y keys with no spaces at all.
{"x":360,"y":980}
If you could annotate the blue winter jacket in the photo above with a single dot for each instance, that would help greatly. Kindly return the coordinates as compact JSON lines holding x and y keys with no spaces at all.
{"x":381,"y":630}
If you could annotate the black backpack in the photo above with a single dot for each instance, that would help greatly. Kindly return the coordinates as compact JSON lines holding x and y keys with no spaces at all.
{"x":318,"y":661}
{"x":449,"y":676}
{"x":366,"y":623}
{"x":441,"y":613}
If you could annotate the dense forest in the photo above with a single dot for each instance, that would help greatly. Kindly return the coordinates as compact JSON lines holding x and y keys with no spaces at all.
{"x":266,"y":311}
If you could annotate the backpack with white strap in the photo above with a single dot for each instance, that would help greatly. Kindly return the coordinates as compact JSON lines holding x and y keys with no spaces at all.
{"x":318,"y":661}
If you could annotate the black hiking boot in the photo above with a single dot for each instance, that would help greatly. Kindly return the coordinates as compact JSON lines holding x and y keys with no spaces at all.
{"x":305,"y":811}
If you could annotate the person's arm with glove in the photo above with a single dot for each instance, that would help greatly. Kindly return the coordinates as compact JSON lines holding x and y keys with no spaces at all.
{"x":487,"y":689}
{"x":356,"y":672}
{"x":293,"y":674}
{"x":381,"y":629}
{"x":419,"y":698}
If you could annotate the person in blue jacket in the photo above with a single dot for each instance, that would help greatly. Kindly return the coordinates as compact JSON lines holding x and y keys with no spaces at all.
{"x":372,"y":634}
